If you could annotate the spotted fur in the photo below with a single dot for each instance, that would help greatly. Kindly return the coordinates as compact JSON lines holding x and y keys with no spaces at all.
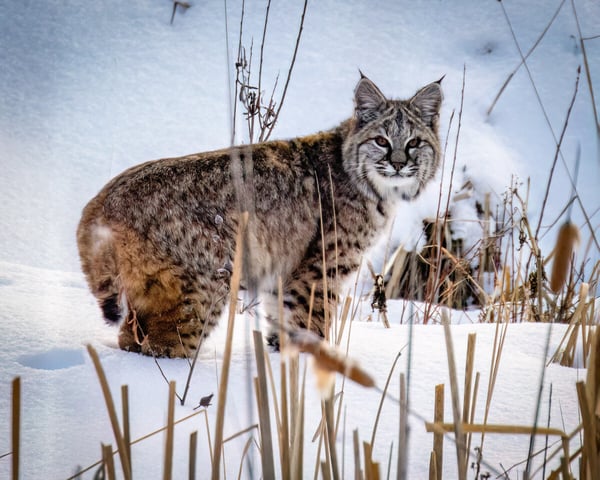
{"x":156,"y":244}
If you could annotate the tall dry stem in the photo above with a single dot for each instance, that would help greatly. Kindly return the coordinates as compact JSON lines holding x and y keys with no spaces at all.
{"x":223,"y":386}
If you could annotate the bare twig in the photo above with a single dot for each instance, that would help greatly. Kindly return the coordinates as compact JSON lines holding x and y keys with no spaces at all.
{"x":178,"y":3}
{"x":289,"y":74}
{"x":260,"y":64}
{"x":512,"y":74}
{"x":16,"y":426}
{"x":556,"y":155}
{"x":385,"y":388}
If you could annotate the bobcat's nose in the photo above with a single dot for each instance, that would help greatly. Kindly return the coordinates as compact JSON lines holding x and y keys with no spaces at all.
{"x":398,"y":160}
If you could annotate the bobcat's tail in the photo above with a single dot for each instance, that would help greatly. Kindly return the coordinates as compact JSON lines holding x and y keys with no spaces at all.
{"x":99,"y":264}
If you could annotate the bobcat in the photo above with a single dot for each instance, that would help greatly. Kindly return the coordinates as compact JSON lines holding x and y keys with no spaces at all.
{"x":157,"y":243}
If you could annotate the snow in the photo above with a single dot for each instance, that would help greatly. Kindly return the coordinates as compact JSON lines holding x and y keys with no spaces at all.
{"x":89,"y":89}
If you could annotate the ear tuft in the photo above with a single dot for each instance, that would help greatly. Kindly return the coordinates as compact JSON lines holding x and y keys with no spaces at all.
{"x":368,"y":99}
{"x":428,"y":101}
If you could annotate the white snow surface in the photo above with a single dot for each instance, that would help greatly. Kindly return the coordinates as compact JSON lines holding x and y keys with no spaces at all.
{"x":88,"y":89}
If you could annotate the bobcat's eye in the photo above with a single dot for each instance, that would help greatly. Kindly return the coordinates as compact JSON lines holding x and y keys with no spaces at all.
{"x":382,"y":141}
{"x":413,"y":142}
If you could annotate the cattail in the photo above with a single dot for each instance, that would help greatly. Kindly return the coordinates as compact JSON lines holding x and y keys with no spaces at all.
{"x":566,"y":243}
{"x":328,"y":358}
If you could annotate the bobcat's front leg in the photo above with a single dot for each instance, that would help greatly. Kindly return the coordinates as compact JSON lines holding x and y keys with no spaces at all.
{"x":299,"y":310}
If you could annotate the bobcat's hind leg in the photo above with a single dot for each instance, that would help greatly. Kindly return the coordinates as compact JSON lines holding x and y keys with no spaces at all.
{"x":172,"y":317}
{"x":171,"y":308}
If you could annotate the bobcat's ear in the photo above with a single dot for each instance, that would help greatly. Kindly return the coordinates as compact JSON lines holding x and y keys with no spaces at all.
{"x":368,"y":99}
{"x":428,"y":101}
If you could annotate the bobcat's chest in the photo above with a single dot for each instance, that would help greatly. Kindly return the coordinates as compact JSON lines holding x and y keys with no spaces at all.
{"x":358,"y":227}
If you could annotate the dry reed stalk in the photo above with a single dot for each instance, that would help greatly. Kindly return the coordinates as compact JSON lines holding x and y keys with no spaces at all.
{"x":358,"y":473}
{"x":192,"y":455}
{"x":319,"y":434}
{"x":325,"y":470}
{"x":566,"y":356}
{"x":566,"y":243}
{"x":367,"y":453}
{"x":245,"y":451}
{"x":222,"y":396}
{"x":168,"y":459}
{"x":397,"y":265}
{"x":126,"y":426}
{"x":458,"y":427}
{"x":325,"y":464}
{"x":264,"y":413}
{"x":109,"y":464}
{"x":434,"y":427}
{"x":593,"y":372}
{"x":438,"y":438}
{"x":590,"y":458}
{"x":110,"y":406}
{"x":343,"y":319}
{"x":566,"y":474}
{"x":293,"y":368}
{"x":467,"y":393}
{"x":269,"y":368}
{"x":324,"y":267}
{"x":499,"y":337}
{"x":334,"y":332}
{"x":284,"y":430}
{"x":16,"y":426}
{"x":563,"y":470}
{"x":402,"y":431}
{"x":434,"y":474}
{"x":471,"y":417}
{"x":589,"y":396}
{"x":331,"y":436}
{"x":298,"y":439}
{"x":241,"y":432}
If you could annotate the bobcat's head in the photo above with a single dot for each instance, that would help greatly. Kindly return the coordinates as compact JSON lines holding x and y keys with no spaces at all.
{"x":393,"y":149}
